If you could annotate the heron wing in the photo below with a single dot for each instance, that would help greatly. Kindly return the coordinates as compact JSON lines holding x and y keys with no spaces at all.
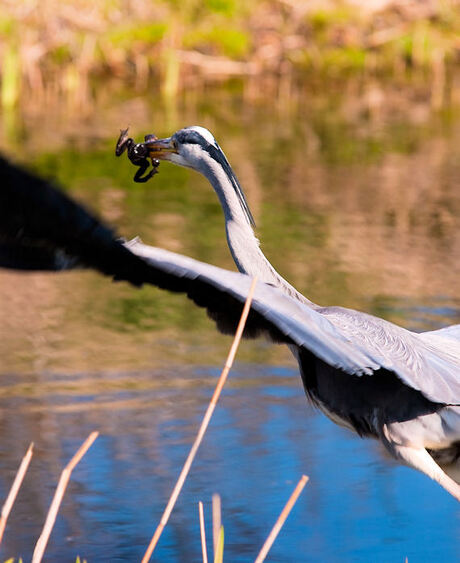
{"x":354,"y":342}
{"x":41,"y":228}
{"x":428,"y":364}
{"x":16,"y":256}
{"x":451,"y":333}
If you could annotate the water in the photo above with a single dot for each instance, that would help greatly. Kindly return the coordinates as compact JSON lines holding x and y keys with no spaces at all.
{"x":357,"y":506}
{"x":357,"y":210}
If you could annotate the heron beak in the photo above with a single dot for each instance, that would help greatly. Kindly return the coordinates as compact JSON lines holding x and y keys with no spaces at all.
{"x":160,"y":149}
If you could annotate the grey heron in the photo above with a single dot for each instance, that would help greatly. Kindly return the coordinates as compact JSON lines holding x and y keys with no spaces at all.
{"x":364,"y":372}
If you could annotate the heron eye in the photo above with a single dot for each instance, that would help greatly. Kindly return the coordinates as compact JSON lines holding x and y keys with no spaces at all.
{"x":175,"y":145}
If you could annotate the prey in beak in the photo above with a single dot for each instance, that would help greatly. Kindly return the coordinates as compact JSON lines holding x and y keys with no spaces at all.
{"x":160,"y":149}
{"x":138,"y":154}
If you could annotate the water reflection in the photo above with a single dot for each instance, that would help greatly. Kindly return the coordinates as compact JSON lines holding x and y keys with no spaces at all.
{"x":357,"y":506}
{"x":353,"y":211}
{"x":379,"y":223}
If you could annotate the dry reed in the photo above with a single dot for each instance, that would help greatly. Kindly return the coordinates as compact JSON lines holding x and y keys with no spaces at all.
{"x":216,"y":520}
{"x":58,"y":496}
{"x":219,"y":555}
{"x":202,"y":533}
{"x":15,"y":489}
{"x":204,"y":424}
{"x":281,"y":519}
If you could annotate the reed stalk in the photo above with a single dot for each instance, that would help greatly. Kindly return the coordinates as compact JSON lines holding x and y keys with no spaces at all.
{"x":202,"y":533}
{"x":216,"y":520}
{"x":281,"y":519}
{"x":58,"y":496}
{"x":219,"y":555}
{"x":204,"y":425}
{"x":15,"y":489}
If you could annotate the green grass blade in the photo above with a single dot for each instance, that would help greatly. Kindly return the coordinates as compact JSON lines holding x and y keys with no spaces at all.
{"x":219,"y":557}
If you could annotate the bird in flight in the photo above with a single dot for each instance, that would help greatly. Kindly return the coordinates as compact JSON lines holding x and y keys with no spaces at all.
{"x":365,"y":373}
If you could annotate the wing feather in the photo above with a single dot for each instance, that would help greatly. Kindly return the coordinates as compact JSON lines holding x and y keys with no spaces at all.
{"x":43,"y":229}
{"x":356,"y":343}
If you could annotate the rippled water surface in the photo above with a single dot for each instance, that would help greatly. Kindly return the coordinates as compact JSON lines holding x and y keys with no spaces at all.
{"x":354,"y":209}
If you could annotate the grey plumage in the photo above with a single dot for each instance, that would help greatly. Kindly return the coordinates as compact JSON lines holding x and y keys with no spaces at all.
{"x":365,"y":373}
{"x":354,"y":342}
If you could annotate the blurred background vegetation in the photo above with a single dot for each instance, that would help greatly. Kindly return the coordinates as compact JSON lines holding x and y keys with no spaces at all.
{"x":340,"y":117}
{"x":68,"y":49}
{"x":342,"y":120}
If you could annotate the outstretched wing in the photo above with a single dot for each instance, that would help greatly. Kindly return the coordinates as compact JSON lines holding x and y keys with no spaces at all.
{"x":43,"y":229}
{"x":430,"y":365}
{"x":450,"y":333}
{"x":353,"y":342}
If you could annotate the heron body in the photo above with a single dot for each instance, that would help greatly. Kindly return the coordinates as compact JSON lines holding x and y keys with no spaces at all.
{"x":386,"y":382}
{"x":365,"y":373}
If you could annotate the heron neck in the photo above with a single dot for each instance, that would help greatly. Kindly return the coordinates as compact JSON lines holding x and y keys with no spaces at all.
{"x":243,"y":244}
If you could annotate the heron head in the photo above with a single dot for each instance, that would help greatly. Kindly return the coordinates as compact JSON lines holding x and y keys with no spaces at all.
{"x":188,"y":147}
{"x":195,"y":147}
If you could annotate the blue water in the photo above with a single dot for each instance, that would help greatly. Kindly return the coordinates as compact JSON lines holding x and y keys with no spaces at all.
{"x":353,"y":209}
{"x":357,"y":506}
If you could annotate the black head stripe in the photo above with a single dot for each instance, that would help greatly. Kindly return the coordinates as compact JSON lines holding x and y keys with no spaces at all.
{"x":216,"y":153}
{"x":193,"y":137}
